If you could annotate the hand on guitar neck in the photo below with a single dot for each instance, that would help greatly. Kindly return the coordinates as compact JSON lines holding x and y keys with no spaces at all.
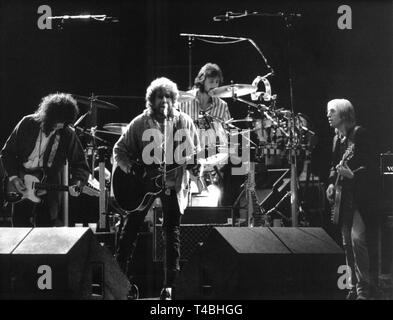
{"x":343,"y":171}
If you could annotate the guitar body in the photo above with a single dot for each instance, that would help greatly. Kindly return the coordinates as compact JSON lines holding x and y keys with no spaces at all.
{"x":36,"y":187}
{"x":134,"y":191}
{"x":335,"y":210}
{"x":337,"y":204}
{"x":31,"y":193}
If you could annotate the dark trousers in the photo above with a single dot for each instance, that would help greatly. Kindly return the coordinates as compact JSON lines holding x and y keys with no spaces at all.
{"x":30,"y":214}
{"x":360,"y":245}
{"x":171,"y":236}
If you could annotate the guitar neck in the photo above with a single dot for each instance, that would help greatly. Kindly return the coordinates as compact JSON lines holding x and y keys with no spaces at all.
{"x":48,"y":186}
{"x":353,"y":171}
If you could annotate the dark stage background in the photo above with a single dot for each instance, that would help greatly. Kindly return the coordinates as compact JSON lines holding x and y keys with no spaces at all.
{"x":123,"y":58}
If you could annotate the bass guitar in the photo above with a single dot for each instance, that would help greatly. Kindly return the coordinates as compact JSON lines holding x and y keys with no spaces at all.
{"x":36,"y":187}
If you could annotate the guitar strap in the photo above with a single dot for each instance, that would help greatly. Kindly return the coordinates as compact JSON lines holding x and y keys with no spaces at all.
{"x":350,"y":138}
{"x":52,"y":154}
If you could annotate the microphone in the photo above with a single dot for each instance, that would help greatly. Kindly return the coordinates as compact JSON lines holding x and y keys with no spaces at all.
{"x":226,"y":17}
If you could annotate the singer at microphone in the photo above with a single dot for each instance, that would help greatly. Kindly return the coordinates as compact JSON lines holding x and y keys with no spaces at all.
{"x":136,"y":193}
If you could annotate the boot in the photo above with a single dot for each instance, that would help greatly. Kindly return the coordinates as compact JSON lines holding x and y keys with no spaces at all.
{"x":166,"y":293}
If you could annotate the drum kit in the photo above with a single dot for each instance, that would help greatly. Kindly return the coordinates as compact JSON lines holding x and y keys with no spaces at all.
{"x":274,"y":132}
{"x":275,"y":136}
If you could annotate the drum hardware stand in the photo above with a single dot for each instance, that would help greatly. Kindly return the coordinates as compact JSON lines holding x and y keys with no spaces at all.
{"x":103,"y":204}
{"x":275,"y":208}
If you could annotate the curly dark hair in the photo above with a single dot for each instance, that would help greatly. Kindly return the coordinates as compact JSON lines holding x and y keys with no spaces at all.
{"x":209,"y":70}
{"x":158,"y":85}
{"x":56,"y":108}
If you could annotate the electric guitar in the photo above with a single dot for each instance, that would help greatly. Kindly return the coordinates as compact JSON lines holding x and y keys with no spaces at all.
{"x":36,"y":187}
{"x":335,"y":209}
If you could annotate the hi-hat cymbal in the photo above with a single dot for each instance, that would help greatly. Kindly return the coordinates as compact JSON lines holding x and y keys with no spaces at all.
{"x":233,"y":90}
{"x":88,"y":101}
{"x":185,"y":96}
{"x":117,"y":128}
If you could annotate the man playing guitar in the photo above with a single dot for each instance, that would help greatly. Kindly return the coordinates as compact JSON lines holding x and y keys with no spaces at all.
{"x":42,"y":142}
{"x":161,"y":121}
{"x":353,"y":161}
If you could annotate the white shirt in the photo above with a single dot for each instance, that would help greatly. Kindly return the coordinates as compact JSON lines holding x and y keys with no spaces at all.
{"x":36,"y":157}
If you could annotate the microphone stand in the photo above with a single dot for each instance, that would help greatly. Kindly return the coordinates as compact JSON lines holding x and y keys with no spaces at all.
{"x":103,"y":204}
{"x":164,"y":169}
{"x":191,"y":36}
{"x":190,"y":39}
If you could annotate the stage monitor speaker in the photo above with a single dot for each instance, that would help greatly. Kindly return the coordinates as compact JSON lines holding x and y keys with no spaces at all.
{"x":196,"y":225}
{"x":58,"y":263}
{"x":263,"y":263}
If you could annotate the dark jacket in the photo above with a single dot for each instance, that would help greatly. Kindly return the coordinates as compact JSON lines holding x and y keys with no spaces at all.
{"x":365,"y":182}
{"x":21,"y":142}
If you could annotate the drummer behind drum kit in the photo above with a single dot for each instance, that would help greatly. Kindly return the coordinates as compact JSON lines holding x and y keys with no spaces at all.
{"x":276,"y":135}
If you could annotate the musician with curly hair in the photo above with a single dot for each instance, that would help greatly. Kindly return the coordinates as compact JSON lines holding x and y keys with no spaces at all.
{"x":39,"y":145}
{"x":172,"y":130}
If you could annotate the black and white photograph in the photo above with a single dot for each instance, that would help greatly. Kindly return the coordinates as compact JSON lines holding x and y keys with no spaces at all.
{"x":212,"y":153}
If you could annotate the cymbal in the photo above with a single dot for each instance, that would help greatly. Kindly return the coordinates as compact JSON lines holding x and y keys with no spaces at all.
{"x":240,"y":120}
{"x":233,"y":90}
{"x":117,"y":128}
{"x":185,"y":96}
{"x":88,"y":101}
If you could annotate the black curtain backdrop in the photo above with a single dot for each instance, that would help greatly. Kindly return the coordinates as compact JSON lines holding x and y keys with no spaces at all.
{"x":123,"y":58}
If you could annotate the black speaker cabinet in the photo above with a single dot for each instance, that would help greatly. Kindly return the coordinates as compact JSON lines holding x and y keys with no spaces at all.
{"x":263,"y":263}
{"x":57,"y":263}
{"x":386,"y":172}
{"x":196,"y":225}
